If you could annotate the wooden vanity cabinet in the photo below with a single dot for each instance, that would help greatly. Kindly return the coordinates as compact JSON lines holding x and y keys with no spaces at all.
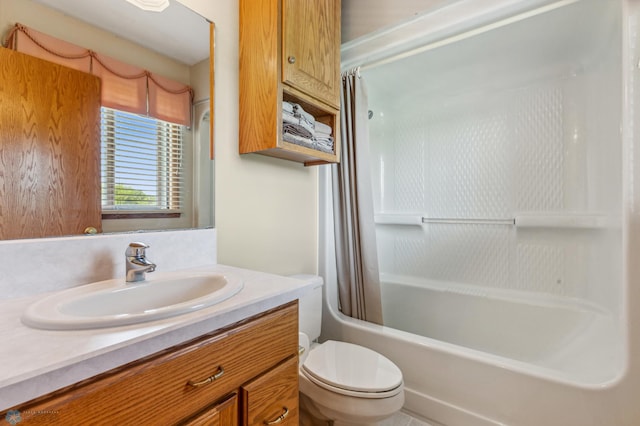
{"x":289,"y":51}
{"x":202,"y":382}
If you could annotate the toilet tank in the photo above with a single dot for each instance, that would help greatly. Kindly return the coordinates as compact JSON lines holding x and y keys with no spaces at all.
{"x":310,"y":307}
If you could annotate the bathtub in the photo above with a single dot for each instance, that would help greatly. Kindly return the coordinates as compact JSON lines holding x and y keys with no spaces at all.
{"x":569,"y":341}
{"x":509,"y":228}
{"x":479,"y":381}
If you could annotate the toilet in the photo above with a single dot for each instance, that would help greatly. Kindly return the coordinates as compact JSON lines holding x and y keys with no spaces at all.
{"x":342,"y":383}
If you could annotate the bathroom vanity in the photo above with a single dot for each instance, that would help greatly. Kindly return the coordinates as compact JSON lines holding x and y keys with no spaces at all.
{"x":247,"y":372}
{"x":232,"y":363}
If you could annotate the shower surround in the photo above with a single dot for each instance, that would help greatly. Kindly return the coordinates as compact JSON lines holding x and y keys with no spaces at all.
{"x":504,"y":144}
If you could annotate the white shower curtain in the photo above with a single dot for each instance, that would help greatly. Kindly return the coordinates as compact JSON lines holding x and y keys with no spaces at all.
{"x":356,"y":250}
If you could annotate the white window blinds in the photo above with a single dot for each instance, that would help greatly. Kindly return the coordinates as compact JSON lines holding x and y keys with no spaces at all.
{"x":142,"y":163}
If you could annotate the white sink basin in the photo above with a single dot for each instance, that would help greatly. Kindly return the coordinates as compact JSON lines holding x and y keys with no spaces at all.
{"x":114,"y":302}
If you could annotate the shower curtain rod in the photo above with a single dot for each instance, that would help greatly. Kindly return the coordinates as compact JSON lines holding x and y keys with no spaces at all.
{"x":465,"y":35}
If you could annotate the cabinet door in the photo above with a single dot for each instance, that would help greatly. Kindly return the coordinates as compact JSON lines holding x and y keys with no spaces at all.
{"x":311,"y":48}
{"x":224,"y":413}
{"x":272,"y":399}
{"x":49,"y":148}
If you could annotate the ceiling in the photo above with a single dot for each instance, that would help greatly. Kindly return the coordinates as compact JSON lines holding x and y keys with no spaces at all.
{"x":166,"y":28}
{"x":163,"y":31}
{"x":361,"y":17}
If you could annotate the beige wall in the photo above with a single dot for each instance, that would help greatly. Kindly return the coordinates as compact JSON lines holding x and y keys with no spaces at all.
{"x":266,"y":209}
{"x":200,"y":80}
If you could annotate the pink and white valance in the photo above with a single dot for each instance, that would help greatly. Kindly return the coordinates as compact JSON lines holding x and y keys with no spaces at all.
{"x":124,"y":87}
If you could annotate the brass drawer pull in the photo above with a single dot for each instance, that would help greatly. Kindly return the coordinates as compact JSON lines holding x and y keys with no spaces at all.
{"x":279,"y":419}
{"x":208,"y":379}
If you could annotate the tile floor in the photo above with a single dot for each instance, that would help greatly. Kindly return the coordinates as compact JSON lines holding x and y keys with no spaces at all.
{"x":399,"y":419}
{"x":403,"y":419}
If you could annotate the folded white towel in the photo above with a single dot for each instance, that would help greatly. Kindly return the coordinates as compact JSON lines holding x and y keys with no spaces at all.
{"x":309,"y":125}
{"x":289,"y":118}
{"x":300,"y":121}
{"x":325,"y":147}
{"x":299,"y":111}
{"x":322,"y":128}
{"x":287,"y":106}
{"x":298,"y":140}
{"x":323,"y":143}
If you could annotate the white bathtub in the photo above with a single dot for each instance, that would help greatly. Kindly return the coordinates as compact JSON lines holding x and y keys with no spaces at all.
{"x":579,"y":376}
{"x":532,"y":113}
{"x":574,"y":343}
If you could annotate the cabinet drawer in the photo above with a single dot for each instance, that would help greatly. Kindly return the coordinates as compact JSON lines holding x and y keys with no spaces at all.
{"x":157,"y":390}
{"x":273,"y":397}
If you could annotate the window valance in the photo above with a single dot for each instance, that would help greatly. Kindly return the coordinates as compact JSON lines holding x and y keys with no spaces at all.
{"x":125,"y":87}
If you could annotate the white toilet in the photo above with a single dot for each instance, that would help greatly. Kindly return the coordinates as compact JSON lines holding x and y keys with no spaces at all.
{"x":341,"y":382}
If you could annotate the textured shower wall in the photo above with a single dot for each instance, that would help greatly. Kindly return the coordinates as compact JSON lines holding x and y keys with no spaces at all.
{"x":494,"y":155}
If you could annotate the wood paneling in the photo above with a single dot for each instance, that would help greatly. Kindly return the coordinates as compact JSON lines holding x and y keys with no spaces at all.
{"x":49,"y":148}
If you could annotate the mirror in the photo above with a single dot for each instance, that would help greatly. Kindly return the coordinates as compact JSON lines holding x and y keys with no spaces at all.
{"x":174,"y":43}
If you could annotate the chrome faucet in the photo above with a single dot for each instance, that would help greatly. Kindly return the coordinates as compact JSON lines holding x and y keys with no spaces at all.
{"x":137,"y":264}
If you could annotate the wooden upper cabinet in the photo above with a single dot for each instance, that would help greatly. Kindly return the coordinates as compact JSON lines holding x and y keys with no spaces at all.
{"x":289,"y":51}
{"x":310,"y":53}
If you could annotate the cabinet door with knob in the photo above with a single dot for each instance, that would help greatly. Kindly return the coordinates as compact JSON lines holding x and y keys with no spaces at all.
{"x":311,"y":53}
{"x":272,"y":399}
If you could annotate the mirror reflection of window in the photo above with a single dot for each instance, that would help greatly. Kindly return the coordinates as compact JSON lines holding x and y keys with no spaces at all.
{"x":142,"y":164}
{"x":173,"y":43}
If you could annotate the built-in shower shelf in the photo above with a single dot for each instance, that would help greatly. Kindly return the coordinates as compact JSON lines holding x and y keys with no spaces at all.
{"x":525,"y":220}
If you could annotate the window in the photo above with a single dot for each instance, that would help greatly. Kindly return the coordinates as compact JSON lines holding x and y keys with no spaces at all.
{"x":142,"y":164}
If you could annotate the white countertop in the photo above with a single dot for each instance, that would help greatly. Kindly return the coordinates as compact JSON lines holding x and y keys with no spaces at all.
{"x":35,"y":362}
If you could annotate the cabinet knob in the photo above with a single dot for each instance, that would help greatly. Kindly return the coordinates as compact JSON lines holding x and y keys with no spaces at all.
{"x":291,"y":59}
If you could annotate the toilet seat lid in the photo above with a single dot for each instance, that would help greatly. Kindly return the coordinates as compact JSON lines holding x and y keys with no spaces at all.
{"x":352,"y":367}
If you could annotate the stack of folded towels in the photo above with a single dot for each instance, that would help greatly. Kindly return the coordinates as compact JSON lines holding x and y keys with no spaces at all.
{"x":322,"y":137}
{"x":301,"y":128}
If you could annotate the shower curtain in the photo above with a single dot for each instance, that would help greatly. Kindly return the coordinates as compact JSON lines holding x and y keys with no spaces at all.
{"x":356,"y":250}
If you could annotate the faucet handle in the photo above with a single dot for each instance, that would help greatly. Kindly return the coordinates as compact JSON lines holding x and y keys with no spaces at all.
{"x":136,"y":249}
